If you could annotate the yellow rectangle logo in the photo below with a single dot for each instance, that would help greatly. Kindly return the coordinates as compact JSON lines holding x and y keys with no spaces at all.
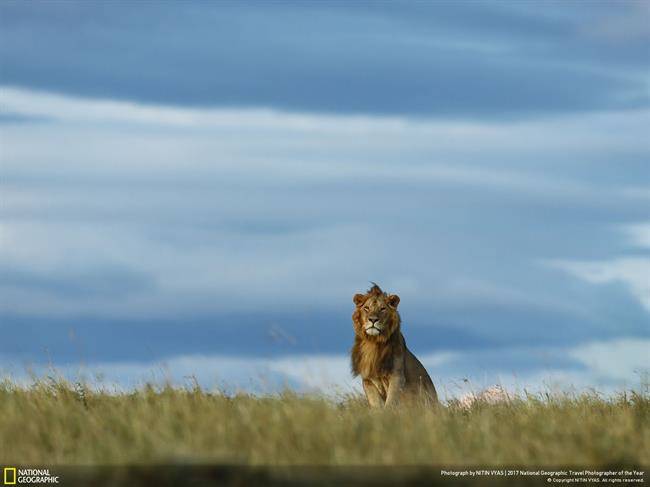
{"x":9,"y":476}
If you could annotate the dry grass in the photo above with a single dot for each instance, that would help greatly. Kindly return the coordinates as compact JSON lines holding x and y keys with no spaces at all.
{"x":55,"y":422}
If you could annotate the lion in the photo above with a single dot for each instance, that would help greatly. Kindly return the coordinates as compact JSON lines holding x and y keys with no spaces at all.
{"x":390,"y":372}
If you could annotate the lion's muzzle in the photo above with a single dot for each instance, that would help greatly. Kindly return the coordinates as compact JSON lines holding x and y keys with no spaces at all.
{"x":373,"y":328}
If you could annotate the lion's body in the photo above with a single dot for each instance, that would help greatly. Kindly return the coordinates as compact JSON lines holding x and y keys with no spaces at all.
{"x":390,"y":372}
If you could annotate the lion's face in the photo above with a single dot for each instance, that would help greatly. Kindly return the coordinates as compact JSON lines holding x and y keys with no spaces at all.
{"x":376,"y":314}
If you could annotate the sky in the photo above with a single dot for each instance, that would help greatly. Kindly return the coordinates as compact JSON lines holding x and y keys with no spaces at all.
{"x":198,"y":190}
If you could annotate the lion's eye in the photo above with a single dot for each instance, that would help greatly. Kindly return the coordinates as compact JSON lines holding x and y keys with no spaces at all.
{"x":365,"y":308}
{"x":384,"y":308}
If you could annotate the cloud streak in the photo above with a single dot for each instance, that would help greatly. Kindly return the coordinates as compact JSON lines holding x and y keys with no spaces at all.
{"x":417,"y":60}
{"x":633,"y":272}
{"x":296,"y":204}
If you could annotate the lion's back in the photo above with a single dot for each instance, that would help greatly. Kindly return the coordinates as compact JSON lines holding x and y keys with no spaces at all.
{"x":418,"y":381}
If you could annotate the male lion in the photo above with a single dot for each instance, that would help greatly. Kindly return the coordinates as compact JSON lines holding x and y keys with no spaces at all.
{"x":389,"y":370}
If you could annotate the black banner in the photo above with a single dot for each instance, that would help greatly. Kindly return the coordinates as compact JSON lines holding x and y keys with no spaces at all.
{"x":226,"y":475}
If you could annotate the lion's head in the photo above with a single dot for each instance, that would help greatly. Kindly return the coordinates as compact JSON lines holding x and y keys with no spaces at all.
{"x":375,"y":316}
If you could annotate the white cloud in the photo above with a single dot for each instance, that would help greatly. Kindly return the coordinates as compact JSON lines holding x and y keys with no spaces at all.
{"x":319,"y":372}
{"x":639,"y":234}
{"x":610,"y":366}
{"x":566,"y":134}
{"x":633,"y":272}
{"x":618,"y":360}
{"x":78,"y":109}
{"x":322,"y":373}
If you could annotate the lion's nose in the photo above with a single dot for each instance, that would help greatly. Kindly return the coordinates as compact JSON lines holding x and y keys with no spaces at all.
{"x":373,"y":319}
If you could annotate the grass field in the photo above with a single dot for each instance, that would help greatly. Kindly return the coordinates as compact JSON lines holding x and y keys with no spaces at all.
{"x":55,"y":422}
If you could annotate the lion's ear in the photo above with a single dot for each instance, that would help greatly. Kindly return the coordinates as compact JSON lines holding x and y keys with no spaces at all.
{"x":359,"y":299}
{"x":393,"y":300}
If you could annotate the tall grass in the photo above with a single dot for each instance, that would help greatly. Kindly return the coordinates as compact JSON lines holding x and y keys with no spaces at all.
{"x":57,"y":422}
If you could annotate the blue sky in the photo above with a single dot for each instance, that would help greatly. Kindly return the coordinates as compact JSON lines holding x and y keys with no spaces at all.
{"x":192,"y":188}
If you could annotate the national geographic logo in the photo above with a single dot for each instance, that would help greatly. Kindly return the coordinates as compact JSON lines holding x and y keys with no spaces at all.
{"x":9,"y":476}
{"x":27,"y":476}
